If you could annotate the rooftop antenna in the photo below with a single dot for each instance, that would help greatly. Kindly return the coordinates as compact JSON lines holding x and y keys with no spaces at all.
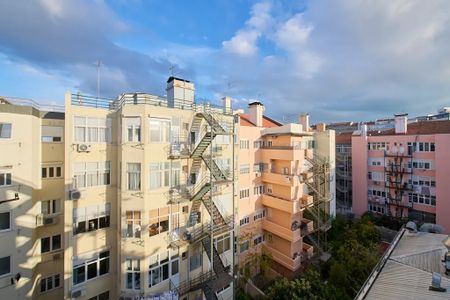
{"x":171,"y":69}
{"x":98,"y":64}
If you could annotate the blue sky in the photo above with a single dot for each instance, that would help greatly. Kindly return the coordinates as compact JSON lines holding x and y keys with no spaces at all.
{"x":336,"y":59}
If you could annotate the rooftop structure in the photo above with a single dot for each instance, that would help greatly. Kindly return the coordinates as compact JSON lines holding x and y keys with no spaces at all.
{"x":406,"y":270}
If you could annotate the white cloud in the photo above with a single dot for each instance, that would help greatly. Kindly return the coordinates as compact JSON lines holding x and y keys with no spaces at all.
{"x":293,"y":34}
{"x":244,"y":42}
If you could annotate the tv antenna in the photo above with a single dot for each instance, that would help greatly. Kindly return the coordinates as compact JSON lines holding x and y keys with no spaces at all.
{"x":98,"y":64}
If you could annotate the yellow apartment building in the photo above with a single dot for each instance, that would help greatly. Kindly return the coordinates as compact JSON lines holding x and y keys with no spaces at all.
{"x":31,"y":201}
{"x":286,"y":189}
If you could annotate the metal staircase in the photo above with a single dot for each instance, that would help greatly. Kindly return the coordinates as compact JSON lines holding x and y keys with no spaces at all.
{"x":219,"y":276}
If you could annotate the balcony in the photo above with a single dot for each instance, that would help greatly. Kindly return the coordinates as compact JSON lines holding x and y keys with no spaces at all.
{"x":377,"y":199}
{"x":288,"y":206}
{"x":283,"y":232}
{"x":289,"y":262}
{"x":281,"y":152}
{"x":281,"y":179}
{"x":307,"y":251}
{"x":307,"y":226}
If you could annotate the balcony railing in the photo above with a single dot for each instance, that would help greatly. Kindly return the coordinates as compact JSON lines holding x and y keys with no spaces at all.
{"x":34,"y":104}
{"x":292,"y":263}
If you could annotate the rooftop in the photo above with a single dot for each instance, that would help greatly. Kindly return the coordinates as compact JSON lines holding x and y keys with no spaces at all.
{"x":267,"y":122}
{"x":424,"y":127}
{"x":405,"y":271}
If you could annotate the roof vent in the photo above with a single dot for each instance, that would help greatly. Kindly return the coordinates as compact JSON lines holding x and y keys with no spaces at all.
{"x":436,"y":283}
{"x":411,"y":226}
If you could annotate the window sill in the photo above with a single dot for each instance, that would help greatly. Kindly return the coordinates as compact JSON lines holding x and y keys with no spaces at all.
{"x":6,"y":230}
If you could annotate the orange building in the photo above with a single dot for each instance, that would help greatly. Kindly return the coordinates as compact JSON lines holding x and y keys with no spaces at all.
{"x":286,"y":173}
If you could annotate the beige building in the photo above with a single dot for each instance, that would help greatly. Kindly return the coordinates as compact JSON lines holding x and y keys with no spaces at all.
{"x":31,"y":201}
{"x":149,"y":191}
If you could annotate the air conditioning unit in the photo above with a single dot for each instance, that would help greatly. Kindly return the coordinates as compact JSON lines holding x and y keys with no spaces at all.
{"x":75,"y":195}
{"x":84,"y":148}
{"x":78,"y":293}
{"x":49,"y":220}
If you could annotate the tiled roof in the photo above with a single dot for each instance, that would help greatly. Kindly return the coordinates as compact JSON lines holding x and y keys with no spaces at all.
{"x":267,"y":122}
{"x":424,"y":127}
{"x":344,"y":138}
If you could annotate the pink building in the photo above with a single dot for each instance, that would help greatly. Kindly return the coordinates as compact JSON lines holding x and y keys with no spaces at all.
{"x":403,"y":172}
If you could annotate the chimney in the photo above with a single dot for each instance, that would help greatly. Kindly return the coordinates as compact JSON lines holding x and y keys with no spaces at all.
{"x":180,"y":92}
{"x":226,"y":104}
{"x":321,"y":127}
{"x":256,"y":112}
{"x":304,"y":121}
{"x":363,"y":130}
{"x":401,"y":123}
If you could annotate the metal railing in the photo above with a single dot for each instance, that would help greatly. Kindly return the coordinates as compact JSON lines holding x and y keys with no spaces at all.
{"x":34,"y":104}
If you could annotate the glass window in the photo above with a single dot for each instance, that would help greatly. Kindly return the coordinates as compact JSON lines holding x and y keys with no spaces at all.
{"x":5,"y":221}
{"x":45,"y":244}
{"x":92,"y":130}
{"x":87,"y":174}
{"x":134,"y":176}
{"x":133,"y":224}
{"x":5,"y":130}
{"x":5,"y":179}
{"x":133,"y":129}
{"x":159,"y":130}
{"x":5,"y":265}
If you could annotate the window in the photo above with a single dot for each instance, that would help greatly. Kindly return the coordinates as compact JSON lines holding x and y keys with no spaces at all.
{"x":161,"y":266}
{"x":377,"y":208}
{"x":425,"y":147}
{"x":133,"y":274}
{"x":159,"y":130}
{"x":259,"y":215}
{"x":422,"y":199}
{"x":5,"y":130}
{"x":244,"y":246}
{"x":52,"y":134}
{"x":5,"y":178}
{"x":159,"y":221}
{"x":420,"y":164}
{"x":50,"y":283}
{"x":258,"y":190}
{"x":88,"y":174}
{"x":244,"y":169}
{"x":160,"y":174}
{"x":133,"y":224}
{"x":49,"y":207}
{"x":258,"y":239}
{"x":91,"y":268}
{"x":244,"y":144}
{"x":51,"y":243}
{"x":5,"y":265}
{"x":244,"y":221}
{"x":378,"y":146}
{"x":51,"y":172}
{"x":195,"y":259}
{"x":92,"y":130}
{"x":133,"y":129}
{"x":258,"y":144}
{"x":91,"y":218}
{"x":102,"y":296}
{"x":222,"y":243}
{"x":134,"y":176}
{"x":245,"y":193}
{"x":5,"y":221}
{"x":269,"y":189}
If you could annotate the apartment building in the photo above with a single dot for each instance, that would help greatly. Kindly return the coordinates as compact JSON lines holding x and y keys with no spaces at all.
{"x":286,"y":189}
{"x":149,"y":207}
{"x":31,"y":201}
{"x":403,"y":172}
{"x":344,"y":172}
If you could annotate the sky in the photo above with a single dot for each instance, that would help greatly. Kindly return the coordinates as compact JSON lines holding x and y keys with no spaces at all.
{"x":337,"y":60}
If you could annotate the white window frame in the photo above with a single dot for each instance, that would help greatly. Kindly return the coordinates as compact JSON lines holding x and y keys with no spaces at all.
{"x":134,"y":223}
{"x":51,"y":238}
{"x":103,"y":124}
{"x":223,"y":243}
{"x":89,"y":214}
{"x":4,"y":132}
{"x":133,"y":269}
{"x":157,"y":264}
{"x":52,"y":279}
{"x":5,"y":177}
{"x":244,"y":193}
{"x":85,"y":263}
{"x":133,"y":131}
{"x":98,"y":176}
{"x":164,"y":135}
{"x":134,"y":180}
{"x":52,"y":137}
{"x":54,"y":169}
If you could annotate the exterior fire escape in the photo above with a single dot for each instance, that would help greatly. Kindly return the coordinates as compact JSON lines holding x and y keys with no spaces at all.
{"x":396,"y":182}
{"x":206,"y":125}
{"x":317,"y":179}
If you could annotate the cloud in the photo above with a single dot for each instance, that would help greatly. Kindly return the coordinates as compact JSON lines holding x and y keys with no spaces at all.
{"x":244,"y":41}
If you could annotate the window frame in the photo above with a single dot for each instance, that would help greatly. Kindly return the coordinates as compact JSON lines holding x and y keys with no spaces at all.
{"x":2,"y":125}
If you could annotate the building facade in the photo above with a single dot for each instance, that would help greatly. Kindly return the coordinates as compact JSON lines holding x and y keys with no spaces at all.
{"x":31,"y":202}
{"x":344,"y":172}
{"x":278,"y":179}
{"x":403,"y":172}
